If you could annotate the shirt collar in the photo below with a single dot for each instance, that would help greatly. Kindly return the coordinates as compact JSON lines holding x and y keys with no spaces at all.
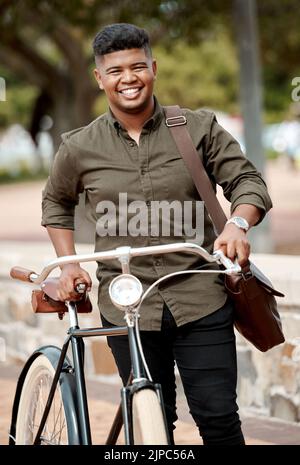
{"x":151,"y":123}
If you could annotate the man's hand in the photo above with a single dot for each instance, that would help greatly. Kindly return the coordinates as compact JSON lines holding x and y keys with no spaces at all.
{"x":71,"y":273}
{"x":234,"y":244}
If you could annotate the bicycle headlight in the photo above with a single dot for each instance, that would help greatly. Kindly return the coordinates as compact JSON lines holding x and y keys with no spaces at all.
{"x":125,"y":291}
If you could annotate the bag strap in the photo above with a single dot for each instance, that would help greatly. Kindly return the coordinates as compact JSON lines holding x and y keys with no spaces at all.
{"x":176,"y":121}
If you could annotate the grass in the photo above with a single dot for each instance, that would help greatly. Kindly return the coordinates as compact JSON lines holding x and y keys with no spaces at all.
{"x":7,"y":177}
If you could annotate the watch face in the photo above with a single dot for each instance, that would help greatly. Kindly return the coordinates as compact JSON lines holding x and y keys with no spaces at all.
{"x":241,"y":223}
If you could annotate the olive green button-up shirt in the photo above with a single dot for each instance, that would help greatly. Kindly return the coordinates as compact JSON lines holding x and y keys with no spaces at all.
{"x":104,"y":161}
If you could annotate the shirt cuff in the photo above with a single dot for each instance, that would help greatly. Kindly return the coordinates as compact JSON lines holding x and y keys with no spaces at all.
{"x":253,"y":199}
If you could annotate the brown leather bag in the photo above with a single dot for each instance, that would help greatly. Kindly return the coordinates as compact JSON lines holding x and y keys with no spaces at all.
{"x":256,"y":315}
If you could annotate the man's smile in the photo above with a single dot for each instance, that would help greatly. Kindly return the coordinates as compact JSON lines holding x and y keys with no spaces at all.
{"x":130,"y":91}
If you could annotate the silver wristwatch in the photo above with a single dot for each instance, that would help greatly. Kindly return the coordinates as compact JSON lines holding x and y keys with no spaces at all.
{"x":239,"y":222}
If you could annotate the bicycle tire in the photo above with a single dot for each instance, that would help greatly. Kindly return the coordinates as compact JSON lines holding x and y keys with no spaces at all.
{"x":147,"y":418}
{"x":61,"y":427}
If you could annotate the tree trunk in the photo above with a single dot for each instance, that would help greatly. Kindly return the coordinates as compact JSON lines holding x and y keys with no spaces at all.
{"x":72,"y":107}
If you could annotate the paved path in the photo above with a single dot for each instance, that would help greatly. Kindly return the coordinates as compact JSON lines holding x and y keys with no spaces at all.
{"x":103,"y":401}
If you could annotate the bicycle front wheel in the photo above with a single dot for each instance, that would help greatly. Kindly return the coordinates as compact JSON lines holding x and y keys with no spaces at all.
{"x":35,"y":390}
{"x":148,"y":422}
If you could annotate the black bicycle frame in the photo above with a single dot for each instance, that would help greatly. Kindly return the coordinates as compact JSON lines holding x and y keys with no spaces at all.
{"x":124,"y":413}
{"x":76,"y":336}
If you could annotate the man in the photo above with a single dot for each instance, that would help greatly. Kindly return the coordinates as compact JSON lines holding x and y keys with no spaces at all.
{"x":130,"y":150}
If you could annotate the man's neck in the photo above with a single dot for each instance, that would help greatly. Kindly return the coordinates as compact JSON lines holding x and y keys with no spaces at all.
{"x":134,"y":122}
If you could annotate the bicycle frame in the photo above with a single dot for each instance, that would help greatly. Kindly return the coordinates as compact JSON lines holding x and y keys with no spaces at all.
{"x":136,"y":382}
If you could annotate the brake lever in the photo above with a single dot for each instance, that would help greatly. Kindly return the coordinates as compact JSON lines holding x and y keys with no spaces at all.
{"x":231,"y":266}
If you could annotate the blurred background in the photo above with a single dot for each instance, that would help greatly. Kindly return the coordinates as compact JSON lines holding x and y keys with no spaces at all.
{"x":234,"y":57}
{"x":239,"y":58}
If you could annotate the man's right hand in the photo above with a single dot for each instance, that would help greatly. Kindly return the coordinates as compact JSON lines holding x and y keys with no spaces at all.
{"x":70,"y":274}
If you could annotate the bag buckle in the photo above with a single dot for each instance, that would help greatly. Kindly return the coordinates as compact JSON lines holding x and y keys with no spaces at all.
{"x":176,"y":121}
{"x":247,"y":274}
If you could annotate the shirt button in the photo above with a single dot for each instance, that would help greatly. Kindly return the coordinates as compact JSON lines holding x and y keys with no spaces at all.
{"x":132,"y":144}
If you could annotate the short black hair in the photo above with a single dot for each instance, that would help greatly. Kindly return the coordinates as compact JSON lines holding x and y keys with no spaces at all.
{"x":120,"y":36}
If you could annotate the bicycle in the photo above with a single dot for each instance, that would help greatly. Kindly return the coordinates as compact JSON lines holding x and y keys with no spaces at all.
{"x":50,"y":404}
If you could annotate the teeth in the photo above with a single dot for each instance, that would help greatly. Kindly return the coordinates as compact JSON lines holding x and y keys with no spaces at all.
{"x":129,"y":91}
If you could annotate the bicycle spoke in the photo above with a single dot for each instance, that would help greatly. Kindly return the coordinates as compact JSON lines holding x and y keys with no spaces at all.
{"x":55,"y":427}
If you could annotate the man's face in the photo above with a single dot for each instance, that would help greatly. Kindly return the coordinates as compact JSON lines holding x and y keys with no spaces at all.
{"x":127,"y":77}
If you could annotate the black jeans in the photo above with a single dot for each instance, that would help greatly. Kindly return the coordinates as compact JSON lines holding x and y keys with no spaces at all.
{"x":205,"y":353}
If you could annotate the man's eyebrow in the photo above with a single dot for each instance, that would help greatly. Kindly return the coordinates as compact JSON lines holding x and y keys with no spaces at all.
{"x":116,"y":67}
{"x":140,"y":63}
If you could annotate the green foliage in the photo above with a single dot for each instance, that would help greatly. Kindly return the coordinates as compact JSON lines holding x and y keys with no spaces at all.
{"x":199,"y":75}
{"x":271,"y":154}
{"x":193,"y":41}
{"x":24,"y":173}
{"x":17,"y":107}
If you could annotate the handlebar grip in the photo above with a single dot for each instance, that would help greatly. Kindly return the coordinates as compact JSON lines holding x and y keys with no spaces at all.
{"x":22,"y":274}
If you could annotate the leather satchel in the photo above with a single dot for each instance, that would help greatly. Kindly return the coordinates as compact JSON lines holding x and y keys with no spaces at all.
{"x":256,"y":315}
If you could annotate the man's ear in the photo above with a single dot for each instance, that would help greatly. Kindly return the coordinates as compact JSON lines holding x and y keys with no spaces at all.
{"x":98,"y":78}
{"x":154,"y":67}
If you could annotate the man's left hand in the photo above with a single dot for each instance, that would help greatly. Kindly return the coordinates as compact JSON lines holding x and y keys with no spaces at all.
{"x":234,"y":244}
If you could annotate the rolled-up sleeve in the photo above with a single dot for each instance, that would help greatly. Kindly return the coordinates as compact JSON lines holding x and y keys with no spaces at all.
{"x":61,"y":193}
{"x":229,"y":167}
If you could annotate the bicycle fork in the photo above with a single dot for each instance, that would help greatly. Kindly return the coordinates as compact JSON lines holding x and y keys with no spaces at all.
{"x":136,"y":382}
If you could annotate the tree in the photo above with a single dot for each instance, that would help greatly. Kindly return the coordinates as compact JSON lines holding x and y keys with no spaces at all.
{"x":65,"y":89}
{"x":47,"y":44}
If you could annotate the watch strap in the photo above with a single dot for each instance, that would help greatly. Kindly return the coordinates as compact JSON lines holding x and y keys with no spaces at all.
{"x":234,"y":219}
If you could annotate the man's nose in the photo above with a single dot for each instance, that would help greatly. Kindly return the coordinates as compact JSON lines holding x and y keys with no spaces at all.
{"x":128,"y":76}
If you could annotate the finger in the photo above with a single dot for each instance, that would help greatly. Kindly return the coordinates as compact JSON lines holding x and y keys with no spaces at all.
{"x":218,"y":245}
{"x":231,"y":250}
{"x":62,"y":295}
{"x":88,"y":280}
{"x":66,"y":288}
{"x":242,"y":252}
{"x":83,"y":280}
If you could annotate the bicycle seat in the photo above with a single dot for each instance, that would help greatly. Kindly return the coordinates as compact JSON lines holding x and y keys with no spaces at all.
{"x":47,"y":301}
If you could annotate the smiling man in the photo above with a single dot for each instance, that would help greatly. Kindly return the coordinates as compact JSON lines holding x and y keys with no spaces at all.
{"x":127,"y":77}
{"x":130,"y":150}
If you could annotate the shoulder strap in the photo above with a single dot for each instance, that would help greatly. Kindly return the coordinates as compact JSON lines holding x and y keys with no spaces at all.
{"x":177,"y":124}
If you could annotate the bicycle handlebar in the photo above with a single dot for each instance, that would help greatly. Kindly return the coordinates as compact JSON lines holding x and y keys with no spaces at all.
{"x":124,"y":254}
{"x":22,"y":274}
